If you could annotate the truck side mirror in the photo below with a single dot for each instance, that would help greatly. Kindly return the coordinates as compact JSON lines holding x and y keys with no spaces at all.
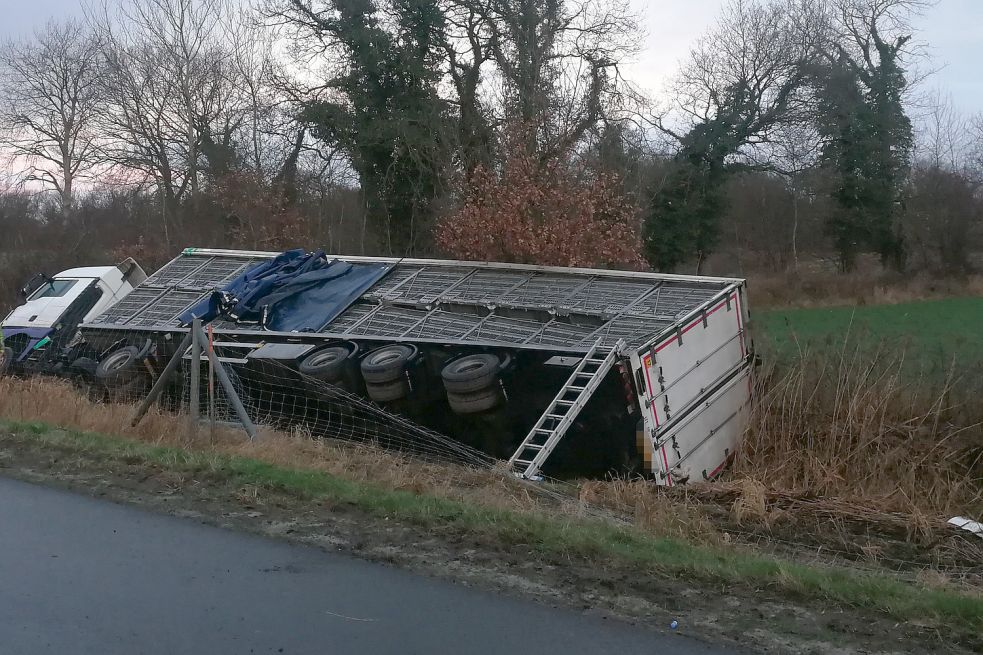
{"x":34,"y":284}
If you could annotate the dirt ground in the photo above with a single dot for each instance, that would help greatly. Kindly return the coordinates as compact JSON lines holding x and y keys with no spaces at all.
{"x":758,"y":620}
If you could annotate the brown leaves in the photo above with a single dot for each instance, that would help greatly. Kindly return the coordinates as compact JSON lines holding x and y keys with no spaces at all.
{"x":551,"y":212}
{"x":259,"y":217}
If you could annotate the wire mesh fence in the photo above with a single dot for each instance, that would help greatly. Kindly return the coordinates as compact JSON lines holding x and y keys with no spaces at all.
{"x":278,"y":397}
{"x":162,"y":373}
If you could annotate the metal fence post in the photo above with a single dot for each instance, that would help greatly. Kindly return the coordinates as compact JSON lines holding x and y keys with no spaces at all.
{"x":195,"y":373}
{"x":230,"y":391}
{"x":211,"y":382}
{"x":165,"y":375}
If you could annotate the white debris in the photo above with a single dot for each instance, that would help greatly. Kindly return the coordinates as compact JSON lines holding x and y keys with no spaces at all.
{"x":967,"y":524}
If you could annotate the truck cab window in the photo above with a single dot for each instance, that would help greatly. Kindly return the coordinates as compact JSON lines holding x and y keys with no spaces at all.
{"x":54,"y":289}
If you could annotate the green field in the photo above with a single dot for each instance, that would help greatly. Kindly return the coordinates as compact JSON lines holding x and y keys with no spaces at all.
{"x":931,"y":333}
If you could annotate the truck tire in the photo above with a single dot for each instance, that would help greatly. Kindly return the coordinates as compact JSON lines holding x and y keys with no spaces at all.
{"x":6,"y":360}
{"x":119,"y":366}
{"x":84,"y":367}
{"x":386,"y":364}
{"x":471,"y":373}
{"x":388,"y":391}
{"x":326,"y":364}
{"x":473,"y":403}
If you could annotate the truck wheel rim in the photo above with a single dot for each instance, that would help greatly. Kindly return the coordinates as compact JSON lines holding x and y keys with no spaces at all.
{"x":386,"y":357}
{"x":324,"y":358}
{"x":117,"y":362}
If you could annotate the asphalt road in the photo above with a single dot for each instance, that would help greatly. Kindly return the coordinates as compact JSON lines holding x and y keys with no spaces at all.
{"x":80,"y":575}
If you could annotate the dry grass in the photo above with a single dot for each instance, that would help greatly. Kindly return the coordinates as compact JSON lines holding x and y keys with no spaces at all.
{"x":649,"y":508}
{"x":845,"y":450}
{"x":866,"y":287}
{"x":856,"y":425}
{"x":59,"y":403}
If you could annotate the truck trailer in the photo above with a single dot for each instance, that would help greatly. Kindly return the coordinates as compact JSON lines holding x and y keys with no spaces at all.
{"x":566,"y":370}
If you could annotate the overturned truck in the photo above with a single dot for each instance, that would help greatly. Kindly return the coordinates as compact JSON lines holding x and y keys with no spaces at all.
{"x":560,"y":371}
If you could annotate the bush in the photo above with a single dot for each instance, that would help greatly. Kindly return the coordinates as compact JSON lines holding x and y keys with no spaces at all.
{"x":551,"y":213}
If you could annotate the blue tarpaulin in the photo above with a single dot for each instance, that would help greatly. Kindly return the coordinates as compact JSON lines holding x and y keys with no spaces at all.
{"x":295,"y":292}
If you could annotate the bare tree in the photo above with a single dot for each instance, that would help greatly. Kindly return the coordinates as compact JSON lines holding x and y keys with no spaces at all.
{"x":794,"y":151}
{"x":975,"y":145}
{"x":274,"y":142}
{"x":49,"y":92}
{"x":748,"y":76}
{"x":744,"y":80}
{"x":185,"y":34}
{"x":943,"y":215}
{"x":252,"y":67}
{"x":865,"y":33}
{"x":559,"y":63}
{"x":943,"y":136}
{"x":168,"y":91}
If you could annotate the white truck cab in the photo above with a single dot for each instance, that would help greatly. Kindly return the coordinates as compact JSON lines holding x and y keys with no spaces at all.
{"x":54,"y":307}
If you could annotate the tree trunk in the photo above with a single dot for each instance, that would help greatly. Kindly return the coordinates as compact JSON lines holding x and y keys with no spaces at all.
{"x":795,"y":229}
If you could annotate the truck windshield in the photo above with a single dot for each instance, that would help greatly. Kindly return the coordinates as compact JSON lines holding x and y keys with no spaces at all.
{"x":53,"y":289}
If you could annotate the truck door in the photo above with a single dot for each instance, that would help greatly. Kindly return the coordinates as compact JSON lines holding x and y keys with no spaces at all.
{"x":680,"y":368}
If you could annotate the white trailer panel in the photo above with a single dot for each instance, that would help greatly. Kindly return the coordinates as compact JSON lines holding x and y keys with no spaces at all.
{"x":696,"y":447}
{"x":682,"y":371}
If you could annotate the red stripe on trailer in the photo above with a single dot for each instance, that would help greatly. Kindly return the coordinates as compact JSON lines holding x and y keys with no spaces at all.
{"x":717,"y":470}
{"x":740,"y":327}
{"x":740,"y":324}
{"x":668,"y":342}
{"x":724,"y":463}
{"x":647,"y":364}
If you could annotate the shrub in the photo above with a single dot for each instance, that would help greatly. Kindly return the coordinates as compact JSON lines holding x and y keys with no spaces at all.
{"x":552,"y":212}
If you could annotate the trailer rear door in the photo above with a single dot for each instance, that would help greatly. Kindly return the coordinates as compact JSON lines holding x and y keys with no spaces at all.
{"x":680,"y":370}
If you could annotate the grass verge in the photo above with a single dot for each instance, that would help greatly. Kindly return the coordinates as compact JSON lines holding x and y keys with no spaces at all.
{"x":592,"y":540}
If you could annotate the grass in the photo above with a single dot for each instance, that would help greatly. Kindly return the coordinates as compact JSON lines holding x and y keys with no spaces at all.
{"x":932,"y":333}
{"x":589,"y":539}
{"x":839,"y":434}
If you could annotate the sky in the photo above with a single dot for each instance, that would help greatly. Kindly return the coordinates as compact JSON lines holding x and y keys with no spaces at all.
{"x":952,"y":30}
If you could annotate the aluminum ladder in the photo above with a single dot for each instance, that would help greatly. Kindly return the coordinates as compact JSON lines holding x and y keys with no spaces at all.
{"x":560,"y":414}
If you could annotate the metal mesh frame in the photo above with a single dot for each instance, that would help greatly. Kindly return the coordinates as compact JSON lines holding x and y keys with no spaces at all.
{"x":452,"y":302}
{"x":462,"y":304}
{"x":168,"y":293}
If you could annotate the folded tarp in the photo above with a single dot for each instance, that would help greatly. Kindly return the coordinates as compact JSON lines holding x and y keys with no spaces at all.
{"x":294,"y":292}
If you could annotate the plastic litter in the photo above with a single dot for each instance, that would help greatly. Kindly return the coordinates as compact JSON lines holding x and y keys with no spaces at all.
{"x":967,"y":524}
{"x":674,"y":625}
